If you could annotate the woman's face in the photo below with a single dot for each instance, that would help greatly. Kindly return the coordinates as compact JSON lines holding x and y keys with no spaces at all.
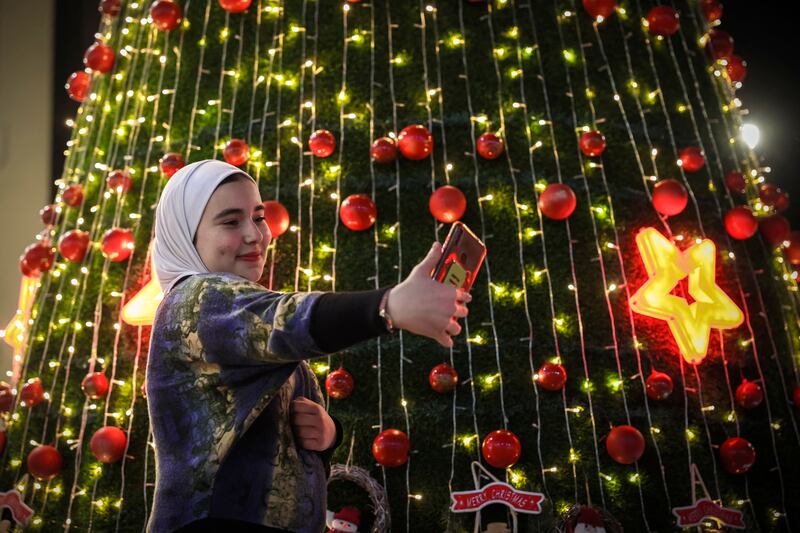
{"x":233,"y":234}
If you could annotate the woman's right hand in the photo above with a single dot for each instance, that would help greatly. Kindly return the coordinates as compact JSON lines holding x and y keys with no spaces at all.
{"x":424,"y":306}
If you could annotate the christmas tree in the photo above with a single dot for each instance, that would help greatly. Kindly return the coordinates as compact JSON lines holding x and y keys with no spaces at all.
{"x":631,"y":343}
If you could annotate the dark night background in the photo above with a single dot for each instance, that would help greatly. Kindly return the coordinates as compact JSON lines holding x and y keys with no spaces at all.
{"x":769,"y":92}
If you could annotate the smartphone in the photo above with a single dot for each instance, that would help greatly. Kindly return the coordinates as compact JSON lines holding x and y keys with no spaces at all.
{"x":462,"y":256}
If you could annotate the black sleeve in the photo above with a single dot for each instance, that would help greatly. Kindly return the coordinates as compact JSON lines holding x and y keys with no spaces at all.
{"x":341,"y":319}
{"x":326,"y":454}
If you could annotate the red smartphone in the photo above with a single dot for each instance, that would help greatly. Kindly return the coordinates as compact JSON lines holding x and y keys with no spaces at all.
{"x":462,"y":256}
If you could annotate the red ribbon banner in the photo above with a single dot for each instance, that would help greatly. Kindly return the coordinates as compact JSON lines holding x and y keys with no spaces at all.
{"x":474,"y":500}
{"x":694,"y":514}
{"x":21,"y":512}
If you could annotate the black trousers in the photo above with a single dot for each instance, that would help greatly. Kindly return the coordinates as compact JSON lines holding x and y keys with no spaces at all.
{"x":217,"y":525}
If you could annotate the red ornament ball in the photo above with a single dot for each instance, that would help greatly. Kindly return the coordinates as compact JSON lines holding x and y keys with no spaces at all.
{"x":557,"y":201}
{"x":793,"y":250}
{"x":73,"y":195}
{"x":599,"y":8}
{"x":235,"y":6}
{"x":773,"y":196}
{"x":339,"y":384}
{"x":49,"y":214}
{"x":277,"y":217}
{"x":415,"y":142}
{"x":170,"y":163}
{"x":501,"y":448}
{"x":796,"y":396}
{"x":73,"y":245}
{"x":734,"y":181}
{"x":236,"y":152}
{"x":737,"y":455}
{"x":390,"y":448}
{"x":443,"y":378}
{"x":95,"y":385}
{"x":736,"y":68}
{"x":740,"y":223}
{"x":358,"y":212}
{"x":490,"y":146}
{"x":77,"y":85}
{"x":720,"y":44}
{"x":44,"y":462}
{"x":749,"y":394}
{"x":384,"y":150}
{"x":32,"y":393}
{"x":6,"y":397}
{"x":663,"y":21}
{"x":592,"y":143}
{"x":322,"y":143}
{"x":119,"y":181}
{"x":775,"y":229}
{"x":109,"y":7}
{"x":552,"y":376}
{"x":447,"y":204}
{"x":166,"y":14}
{"x":625,"y":444}
{"x":712,"y":10}
{"x":117,"y":244}
{"x":36,"y":258}
{"x":670,"y":197}
{"x":658,"y":385}
{"x":99,"y":57}
{"x":692,"y":159}
{"x":108,"y":444}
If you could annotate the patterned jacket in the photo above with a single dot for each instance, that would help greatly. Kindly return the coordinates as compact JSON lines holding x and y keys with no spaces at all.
{"x":226,"y":359}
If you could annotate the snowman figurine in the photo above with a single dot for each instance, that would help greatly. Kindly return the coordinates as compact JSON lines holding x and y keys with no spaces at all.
{"x":345,"y":521}
{"x":589,"y":521}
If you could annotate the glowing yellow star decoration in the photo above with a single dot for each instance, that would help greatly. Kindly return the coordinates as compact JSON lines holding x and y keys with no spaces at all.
{"x":141,"y":309}
{"x":690,"y":323}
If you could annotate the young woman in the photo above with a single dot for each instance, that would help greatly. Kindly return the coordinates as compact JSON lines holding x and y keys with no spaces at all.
{"x":242,"y":439}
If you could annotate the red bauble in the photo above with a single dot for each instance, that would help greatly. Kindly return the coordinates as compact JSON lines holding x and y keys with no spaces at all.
{"x":692,"y":159}
{"x":735,"y":182}
{"x":599,"y":8}
{"x":447,"y":204}
{"x":796,"y":396}
{"x":108,"y":444}
{"x":793,"y":250}
{"x":773,"y":196}
{"x":501,"y":448}
{"x":339,"y":384}
{"x":740,"y":223}
{"x":592,"y":143}
{"x":663,"y":21}
{"x":384,"y":150}
{"x":119,"y":181}
{"x":658,"y":385}
{"x":557,"y":201}
{"x":720,"y":44}
{"x":625,"y":444}
{"x":99,"y":57}
{"x":552,"y":376}
{"x":95,"y":385}
{"x":277,"y":218}
{"x":6,"y":398}
{"x":235,"y":6}
{"x":775,"y":229}
{"x":110,"y":7}
{"x":737,"y":455}
{"x":490,"y":146}
{"x":443,"y":378}
{"x":749,"y":394}
{"x":358,"y":212}
{"x":49,"y":214}
{"x":415,"y":142}
{"x":73,"y":245}
{"x":77,"y":85}
{"x":2,"y":442}
{"x":670,"y":197}
{"x":171,"y":163}
{"x":117,"y":244}
{"x":166,"y":14}
{"x":73,"y":195}
{"x":712,"y":10}
{"x":32,"y":393}
{"x":736,"y":68}
{"x":44,"y":462}
{"x":322,"y":143}
{"x":36,"y":258}
{"x":236,"y":152}
{"x":390,"y":448}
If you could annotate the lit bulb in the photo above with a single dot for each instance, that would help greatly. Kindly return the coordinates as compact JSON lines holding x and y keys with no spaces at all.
{"x":750,"y":135}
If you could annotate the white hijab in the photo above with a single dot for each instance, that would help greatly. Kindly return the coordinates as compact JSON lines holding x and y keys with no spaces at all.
{"x":178,"y":214}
